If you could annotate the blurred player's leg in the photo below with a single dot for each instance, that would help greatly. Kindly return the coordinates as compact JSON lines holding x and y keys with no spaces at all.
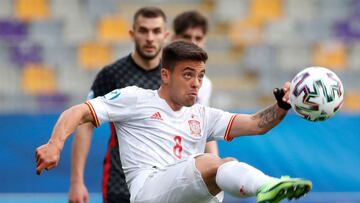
{"x":114,"y":185}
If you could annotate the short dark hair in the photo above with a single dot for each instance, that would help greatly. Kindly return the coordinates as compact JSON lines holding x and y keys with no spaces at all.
{"x":189,"y":19}
{"x":181,"y":51}
{"x":149,"y":12}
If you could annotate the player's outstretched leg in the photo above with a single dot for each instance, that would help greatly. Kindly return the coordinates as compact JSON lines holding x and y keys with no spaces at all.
{"x":278,"y":189}
{"x":242,"y":180}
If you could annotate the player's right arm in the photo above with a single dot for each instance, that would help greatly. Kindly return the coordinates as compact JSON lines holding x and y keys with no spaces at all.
{"x":78,"y":193}
{"x":81,"y":144}
{"x":48,"y":155}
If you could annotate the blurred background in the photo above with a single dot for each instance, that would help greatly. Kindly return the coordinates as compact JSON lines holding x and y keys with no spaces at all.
{"x":51,"y":50}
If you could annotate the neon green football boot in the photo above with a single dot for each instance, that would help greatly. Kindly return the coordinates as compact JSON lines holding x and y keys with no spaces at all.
{"x":279,"y":189}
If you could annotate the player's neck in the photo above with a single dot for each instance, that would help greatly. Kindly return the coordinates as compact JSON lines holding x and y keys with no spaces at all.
{"x":163,"y":94}
{"x":146,"y":64}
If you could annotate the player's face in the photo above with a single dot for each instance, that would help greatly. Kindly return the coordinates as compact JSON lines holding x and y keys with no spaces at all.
{"x":194,"y":35}
{"x":149,"y":36}
{"x":185,"y":82}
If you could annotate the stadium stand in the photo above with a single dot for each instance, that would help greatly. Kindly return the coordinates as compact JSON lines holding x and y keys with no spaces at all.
{"x":92,"y":55}
{"x":38,"y":79}
{"x":330,"y":54}
{"x":248,"y":39}
{"x":31,"y":10}
{"x":113,"y":29}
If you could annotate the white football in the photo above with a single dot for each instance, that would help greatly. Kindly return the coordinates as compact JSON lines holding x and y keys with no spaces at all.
{"x":316,"y":93}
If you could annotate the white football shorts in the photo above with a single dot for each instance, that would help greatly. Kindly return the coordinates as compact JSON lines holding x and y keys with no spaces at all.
{"x":176,"y":183}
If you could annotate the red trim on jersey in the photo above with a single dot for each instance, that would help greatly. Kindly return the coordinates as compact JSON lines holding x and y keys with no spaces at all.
{"x":228,"y":129}
{"x":93,"y":113}
{"x":107,"y":163}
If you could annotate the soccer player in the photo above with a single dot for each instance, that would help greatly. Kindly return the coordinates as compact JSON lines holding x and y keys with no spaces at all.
{"x":192,"y":26}
{"x":162,"y":135}
{"x":140,"y":68}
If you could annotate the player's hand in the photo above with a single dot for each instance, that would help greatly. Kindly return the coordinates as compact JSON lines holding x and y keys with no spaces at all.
{"x":282,"y":96}
{"x":47,"y":157}
{"x":78,"y":193}
{"x":286,"y":89}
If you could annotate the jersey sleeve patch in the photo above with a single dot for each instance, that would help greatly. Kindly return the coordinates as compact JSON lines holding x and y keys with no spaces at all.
{"x":113,"y":94}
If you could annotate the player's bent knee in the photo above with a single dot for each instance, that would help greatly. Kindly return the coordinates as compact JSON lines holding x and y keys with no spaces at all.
{"x":207,"y":163}
{"x":227,"y":159}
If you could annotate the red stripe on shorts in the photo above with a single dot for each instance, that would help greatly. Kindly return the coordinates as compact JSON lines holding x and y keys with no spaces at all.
{"x":107,"y":161}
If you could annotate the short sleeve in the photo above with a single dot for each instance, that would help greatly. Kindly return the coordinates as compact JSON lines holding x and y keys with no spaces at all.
{"x":205,"y":92}
{"x":116,"y":106}
{"x":218,"y":123}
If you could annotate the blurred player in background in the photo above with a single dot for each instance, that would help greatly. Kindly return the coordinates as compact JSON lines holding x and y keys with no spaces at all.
{"x":140,"y":68}
{"x":162,"y":135}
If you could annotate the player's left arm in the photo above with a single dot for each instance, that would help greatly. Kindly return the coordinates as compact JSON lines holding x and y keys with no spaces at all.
{"x":264,"y":120}
{"x":211,"y":147}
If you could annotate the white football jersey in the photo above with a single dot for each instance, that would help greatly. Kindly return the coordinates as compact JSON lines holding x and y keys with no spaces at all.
{"x":151,"y":134}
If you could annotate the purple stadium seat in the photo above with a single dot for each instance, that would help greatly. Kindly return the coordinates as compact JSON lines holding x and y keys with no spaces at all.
{"x":13,"y":30}
{"x":348,"y":30}
{"x":54,"y":102}
{"x":24,"y":53}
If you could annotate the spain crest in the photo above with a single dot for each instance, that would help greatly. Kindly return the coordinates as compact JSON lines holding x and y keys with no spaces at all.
{"x":195,"y":129}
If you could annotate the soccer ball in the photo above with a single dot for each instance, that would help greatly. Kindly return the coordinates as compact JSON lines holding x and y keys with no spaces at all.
{"x":316,"y":93}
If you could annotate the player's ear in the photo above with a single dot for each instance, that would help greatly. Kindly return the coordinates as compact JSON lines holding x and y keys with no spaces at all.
{"x":131,"y":34}
{"x":165,"y":75}
{"x":166,"y":34}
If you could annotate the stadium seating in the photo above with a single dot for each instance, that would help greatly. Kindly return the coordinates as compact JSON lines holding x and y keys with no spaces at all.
{"x":32,"y":9}
{"x":266,"y":10}
{"x":249,"y":39}
{"x":38,"y":79}
{"x":245,"y":32}
{"x":13,"y":30}
{"x":354,"y":59}
{"x":98,"y":9}
{"x":6,"y":8}
{"x":92,"y":55}
{"x":331,"y":55}
{"x":46,"y":32}
{"x":113,"y":29}
{"x":306,"y":13}
{"x":351,"y":100}
{"x":25,"y":53}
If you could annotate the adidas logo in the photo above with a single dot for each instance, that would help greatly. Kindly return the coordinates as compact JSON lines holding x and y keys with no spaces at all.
{"x":156,"y":116}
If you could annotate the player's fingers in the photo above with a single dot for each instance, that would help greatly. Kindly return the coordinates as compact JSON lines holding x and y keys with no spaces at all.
{"x":74,"y":201}
{"x":286,"y":85}
{"x":40,"y":168}
{"x":86,"y":199}
{"x":39,"y":161}
{"x":286,"y":96}
{"x":37,"y":156}
{"x":50,"y":166}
